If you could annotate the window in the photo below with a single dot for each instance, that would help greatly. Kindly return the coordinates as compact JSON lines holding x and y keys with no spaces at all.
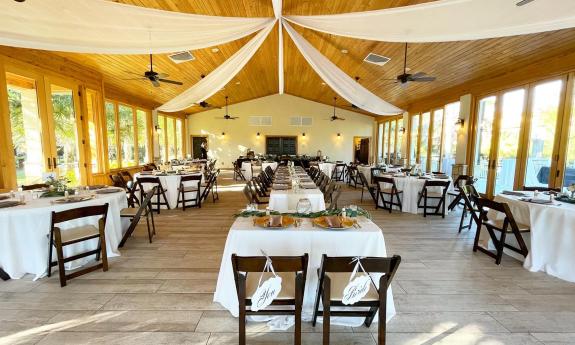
{"x":390,"y":139}
{"x":392,"y":150}
{"x":380,"y":142}
{"x":179,"y":143}
{"x":436,"y":140}
{"x":162,"y":137}
{"x":142,"y":139}
{"x":111,"y":133}
{"x":171,"y":137}
{"x":400,"y":132}
{"x":413,"y":140}
{"x":127,"y":135}
{"x":281,"y":145}
{"x":449,"y":137}
{"x":424,"y":141}
{"x":569,"y":170}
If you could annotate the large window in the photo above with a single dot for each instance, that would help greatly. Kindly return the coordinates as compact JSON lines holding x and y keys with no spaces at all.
{"x":170,"y":138}
{"x":424,"y":140}
{"x":413,"y":139}
{"x":451,"y":112}
{"x":569,"y":169}
{"x":127,"y":131}
{"x":390,"y":136}
{"x":436,"y":139}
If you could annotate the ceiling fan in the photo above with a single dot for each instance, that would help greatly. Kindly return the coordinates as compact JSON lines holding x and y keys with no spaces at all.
{"x":523,"y":2}
{"x":227,"y":116}
{"x":406,"y":78}
{"x":207,"y":105}
{"x":334,"y":116}
{"x":154,"y":77}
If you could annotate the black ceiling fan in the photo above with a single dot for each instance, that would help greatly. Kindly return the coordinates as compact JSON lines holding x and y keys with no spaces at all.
{"x":406,"y":78}
{"x":227,"y":116}
{"x":154,"y":77}
{"x":207,"y":105}
{"x":523,"y":2}
{"x":334,"y":116}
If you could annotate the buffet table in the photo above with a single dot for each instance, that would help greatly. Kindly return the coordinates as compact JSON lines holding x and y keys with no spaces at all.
{"x":552,"y":235}
{"x":245,"y":239}
{"x":24,"y":233}
{"x":171,"y":182}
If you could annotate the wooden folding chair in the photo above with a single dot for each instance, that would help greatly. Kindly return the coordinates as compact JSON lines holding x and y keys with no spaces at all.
{"x":469,"y":196}
{"x":504,"y":226}
{"x":160,"y":191}
{"x":366,"y":186}
{"x":4,"y":275}
{"x":190,"y":184}
{"x":460,"y":181}
{"x":62,"y":238}
{"x":118,"y":181}
{"x":425,"y":194}
{"x":390,"y":191}
{"x":338,"y":173}
{"x":247,"y":271}
{"x":335,"y":198}
{"x":136,"y":213}
{"x":333,"y":276}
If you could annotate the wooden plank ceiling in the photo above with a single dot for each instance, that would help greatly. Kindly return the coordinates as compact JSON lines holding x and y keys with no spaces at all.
{"x":453,"y":63}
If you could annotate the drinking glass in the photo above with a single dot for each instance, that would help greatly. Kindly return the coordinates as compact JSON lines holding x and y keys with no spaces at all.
{"x":303,"y":206}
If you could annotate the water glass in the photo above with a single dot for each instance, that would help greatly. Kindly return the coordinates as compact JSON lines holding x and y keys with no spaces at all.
{"x":303,"y":206}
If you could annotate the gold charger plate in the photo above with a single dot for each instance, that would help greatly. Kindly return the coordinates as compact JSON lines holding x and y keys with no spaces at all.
{"x":263,"y":222}
{"x":322,"y":223}
{"x":72,"y":199}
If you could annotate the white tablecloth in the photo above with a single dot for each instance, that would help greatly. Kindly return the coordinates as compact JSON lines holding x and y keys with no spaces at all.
{"x":286,"y":200}
{"x":366,"y":171}
{"x":244,"y":239}
{"x":24,"y":232}
{"x":249,"y":170}
{"x":411,"y":186}
{"x":552,"y":236}
{"x":327,"y":168}
{"x":170,"y":182}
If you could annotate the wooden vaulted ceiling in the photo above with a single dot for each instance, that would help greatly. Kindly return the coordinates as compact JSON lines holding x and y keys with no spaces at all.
{"x":453,"y":63}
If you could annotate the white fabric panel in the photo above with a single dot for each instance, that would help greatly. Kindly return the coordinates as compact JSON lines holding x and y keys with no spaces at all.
{"x":281,"y":59}
{"x":277,"y":5}
{"x":340,"y":82}
{"x":219,"y":77}
{"x":244,"y":239}
{"x":98,"y":26}
{"x":447,"y":20}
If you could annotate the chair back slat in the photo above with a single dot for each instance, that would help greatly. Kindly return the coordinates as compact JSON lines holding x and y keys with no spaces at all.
{"x":280,"y":263}
{"x":80,"y":212}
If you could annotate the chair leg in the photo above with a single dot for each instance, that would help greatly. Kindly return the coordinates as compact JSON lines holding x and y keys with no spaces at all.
{"x":51,"y":245}
{"x":3,"y":275}
{"x":463,"y":215}
{"x":382,"y":311}
{"x":326,"y":299}
{"x":60,"y":254}
{"x":151,"y":212}
{"x":298,"y":303}
{"x":500,"y":248}
{"x":425,"y":205}
{"x":148,"y":225}
{"x":103,"y":248}
{"x":390,"y":201}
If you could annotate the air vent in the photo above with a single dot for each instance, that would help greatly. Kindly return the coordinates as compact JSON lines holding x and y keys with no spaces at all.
{"x":300,"y":121}
{"x":375,"y":59}
{"x":260,"y":120}
{"x":181,"y":57}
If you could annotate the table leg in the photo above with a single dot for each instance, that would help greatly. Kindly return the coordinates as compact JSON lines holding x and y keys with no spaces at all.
{"x":4,"y":275}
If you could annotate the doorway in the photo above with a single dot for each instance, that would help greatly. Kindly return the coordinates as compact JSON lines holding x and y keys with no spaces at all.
{"x":361,"y":149}
{"x":196,"y":141}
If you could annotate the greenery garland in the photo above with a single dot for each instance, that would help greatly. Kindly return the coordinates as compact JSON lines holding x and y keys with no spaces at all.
{"x":336,"y":212}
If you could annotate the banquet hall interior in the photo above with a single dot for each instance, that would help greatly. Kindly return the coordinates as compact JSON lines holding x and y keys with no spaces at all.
{"x":287,"y":172}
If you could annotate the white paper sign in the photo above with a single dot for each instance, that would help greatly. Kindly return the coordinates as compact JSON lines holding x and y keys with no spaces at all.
{"x":266,"y":293}
{"x":356,"y":290}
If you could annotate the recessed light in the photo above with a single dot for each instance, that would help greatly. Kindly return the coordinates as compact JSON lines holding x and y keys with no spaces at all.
{"x":237,"y":83}
{"x":322,"y":83}
{"x":215,"y":50}
{"x":344,"y":51}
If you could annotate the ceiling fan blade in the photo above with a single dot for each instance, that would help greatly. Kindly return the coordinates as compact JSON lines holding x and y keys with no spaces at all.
{"x":170,"y":81}
{"x":155,"y":83}
{"x":423,"y":79}
{"x":523,"y":2}
{"x":418,"y":75}
{"x":162,"y":75}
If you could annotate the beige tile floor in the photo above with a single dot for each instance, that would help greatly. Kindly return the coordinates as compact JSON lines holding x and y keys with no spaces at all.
{"x":161,"y":293}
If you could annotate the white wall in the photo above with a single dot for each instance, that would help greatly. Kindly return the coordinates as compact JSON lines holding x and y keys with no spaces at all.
{"x":466,"y":102}
{"x":240,"y":136}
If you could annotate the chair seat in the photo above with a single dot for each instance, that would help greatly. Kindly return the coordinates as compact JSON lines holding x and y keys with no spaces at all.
{"x":338,"y":283}
{"x":434,"y":195}
{"x":388,"y":191}
{"x":128,"y":212}
{"x":498,"y":224}
{"x":187,"y":189}
{"x":79,"y":232}
{"x":158,"y":190}
{"x":288,"y":284}
{"x":454,"y":192}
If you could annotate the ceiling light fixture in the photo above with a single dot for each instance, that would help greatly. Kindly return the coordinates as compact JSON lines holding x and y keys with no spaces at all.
{"x":344,"y":51}
{"x":215,"y":50}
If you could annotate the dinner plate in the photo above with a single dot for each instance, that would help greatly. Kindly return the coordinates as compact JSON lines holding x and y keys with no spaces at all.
{"x":322,"y":223}
{"x":109,"y":191}
{"x":73,"y":199}
{"x":263,"y":222}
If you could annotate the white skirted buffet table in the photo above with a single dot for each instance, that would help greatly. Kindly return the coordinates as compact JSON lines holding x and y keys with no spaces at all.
{"x":245,"y":239}
{"x":24,"y":233}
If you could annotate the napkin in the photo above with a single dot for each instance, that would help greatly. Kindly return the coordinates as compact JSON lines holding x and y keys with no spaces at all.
{"x":508,"y":192}
{"x":537,"y":201}
{"x":333,"y":221}
{"x":275,"y":221}
{"x":4,"y":197}
{"x":279,"y":186}
{"x":9,"y":203}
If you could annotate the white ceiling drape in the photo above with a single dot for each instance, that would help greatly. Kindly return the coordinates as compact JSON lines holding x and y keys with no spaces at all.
{"x":340,"y":82}
{"x":98,"y":26}
{"x":447,"y":20}
{"x":219,"y":77}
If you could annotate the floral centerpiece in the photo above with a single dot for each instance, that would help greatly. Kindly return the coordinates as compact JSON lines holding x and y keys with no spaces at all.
{"x":335,"y":212}
{"x":56,"y":186}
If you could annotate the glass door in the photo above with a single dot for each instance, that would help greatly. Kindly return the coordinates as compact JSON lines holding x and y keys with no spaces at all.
{"x":482,"y":157}
{"x":424,"y":141}
{"x":31,"y":150}
{"x":413,"y":140}
{"x":545,"y":104}
{"x":436,"y":137}
{"x":67,"y":158}
{"x":508,"y":138}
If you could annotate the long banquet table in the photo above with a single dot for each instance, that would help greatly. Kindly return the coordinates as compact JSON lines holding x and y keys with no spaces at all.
{"x":552,"y":235}
{"x":24,"y":233}
{"x":245,"y":239}
{"x":287,"y":200}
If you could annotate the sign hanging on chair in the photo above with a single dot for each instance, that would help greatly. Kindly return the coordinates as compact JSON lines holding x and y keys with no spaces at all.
{"x":267,"y":291}
{"x":357,"y":288}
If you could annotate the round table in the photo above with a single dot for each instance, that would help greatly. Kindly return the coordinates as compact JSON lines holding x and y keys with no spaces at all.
{"x":170,"y":182}
{"x":24,"y":233}
{"x":411,"y":186}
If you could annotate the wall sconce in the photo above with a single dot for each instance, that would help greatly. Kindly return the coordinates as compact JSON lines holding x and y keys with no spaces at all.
{"x":158,"y":129}
{"x":258,"y":134}
{"x":402,"y":129}
{"x":339,"y":134}
{"x":460,"y":123}
{"x":303,"y":134}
